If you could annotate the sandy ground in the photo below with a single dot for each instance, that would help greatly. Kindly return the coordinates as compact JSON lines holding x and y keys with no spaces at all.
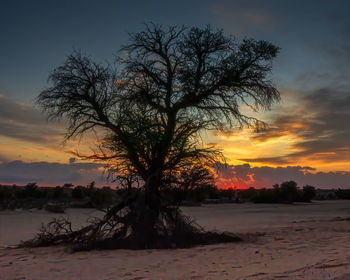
{"x":303,"y":241}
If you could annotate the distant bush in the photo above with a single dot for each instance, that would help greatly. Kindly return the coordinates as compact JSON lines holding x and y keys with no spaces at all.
{"x":79,"y":193}
{"x":309,"y":192}
{"x":287,"y":192}
{"x":5,"y":194}
{"x":32,"y":196}
{"x":102,"y":198}
{"x":342,"y":194}
{"x":60,"y":194}
{"x":204,"y":192}
{"x":197,"y":194}
{"x":31,"y":190}
{"x":266,"y":196}
{"x":67,"y":185}
{"x":248,"y":194}
{"x":90,"y":196}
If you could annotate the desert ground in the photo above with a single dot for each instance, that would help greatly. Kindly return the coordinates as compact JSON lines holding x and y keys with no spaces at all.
{"x":301,"y":241}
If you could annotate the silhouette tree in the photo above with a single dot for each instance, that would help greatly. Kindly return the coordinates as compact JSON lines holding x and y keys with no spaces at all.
{"x":172,"y":84}
{"x":289,"y":191}
{"x":309,"y":193}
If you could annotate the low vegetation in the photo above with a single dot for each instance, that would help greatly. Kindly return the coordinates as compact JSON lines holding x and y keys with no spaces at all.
{"x":33,"y":196}
{"x":287,"y":192}
{"x":90,"y":196}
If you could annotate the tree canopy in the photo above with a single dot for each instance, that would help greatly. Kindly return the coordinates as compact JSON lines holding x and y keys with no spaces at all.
{"x":172,"y":83}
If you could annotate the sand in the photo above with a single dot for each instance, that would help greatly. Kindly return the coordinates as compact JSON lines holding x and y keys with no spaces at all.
{"x":303,"y":241}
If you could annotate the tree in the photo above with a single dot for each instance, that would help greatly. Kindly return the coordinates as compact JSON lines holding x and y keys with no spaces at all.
{"x":289,"y":191}
{"x":31,"y":190}
{"x":78,"y":193}
{"x":309,"y":193}
{"x":189,"y":184}
{"x":67,"y":185}
{"x":173,"y":83}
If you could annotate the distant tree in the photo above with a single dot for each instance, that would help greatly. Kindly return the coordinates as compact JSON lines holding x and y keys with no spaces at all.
{"x":285,"y":192}
{"x":191,"y":181}
{"x":341,"y":194}
{"x":60,"y":193}
{"x":92,"y":185}
{"x":289,"y":191}
{"x":173,"y":84}
{"x":269,"y":196}
{"x":5,"y":194}
{"x":31,"y":190}
{"x":249,"y":193}
{"x":102,"y":198}
{"x":78,"y":193}
{"x":309,"y":192}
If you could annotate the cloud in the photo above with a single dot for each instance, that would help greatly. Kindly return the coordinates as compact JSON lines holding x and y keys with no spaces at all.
{"x":310,"y":127}
{"x":244,"y":16}
{"x":45,"y":173}
{"x":244,"y":176}
{"x":268,"y":160}
{"x":24,"y":122}
{"x":319,"y":124}
{"x":334,"y":66}
{"x":2,"y":159}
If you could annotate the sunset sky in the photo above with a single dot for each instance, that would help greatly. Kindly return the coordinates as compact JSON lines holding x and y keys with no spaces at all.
{"x":308,"y":139}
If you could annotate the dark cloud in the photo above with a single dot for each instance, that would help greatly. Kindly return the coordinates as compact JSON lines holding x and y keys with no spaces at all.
{"x":321,"y":118}
{"x":335,"y":62}
{"x":268,"y":160}
{"x":24,"y":122}
{"x":16,"y":111}
{"x":332,"y":68}
{"x":313,"y":65}
{"x":28,"y":132}
{"x":244,"y":16}
{"x":265,"y":176}
{"x":2,"y":158}
{"x":321,"y":125}
{"x":45,"y":173}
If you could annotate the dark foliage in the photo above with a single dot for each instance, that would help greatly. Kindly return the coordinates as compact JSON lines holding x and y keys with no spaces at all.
{"x":31,"y":190}
{"x":6,"y":194}
{"x":287,"y":192}
{"x":32,"y":196}
{"x":103,"y":198}
{"x":309,"y":192}
{"x":60,"y":193}
{"x":79,"y":193}
{"x":342,"y":194}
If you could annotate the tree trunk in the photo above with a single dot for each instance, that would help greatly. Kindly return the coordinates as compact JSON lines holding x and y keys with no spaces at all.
{"x":148,"y":210}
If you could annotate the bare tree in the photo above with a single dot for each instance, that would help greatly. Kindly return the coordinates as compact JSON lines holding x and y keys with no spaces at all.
{"x":172,"y":84}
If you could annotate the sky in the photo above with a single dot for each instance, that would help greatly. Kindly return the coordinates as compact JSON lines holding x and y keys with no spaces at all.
{"x":308,"y":139}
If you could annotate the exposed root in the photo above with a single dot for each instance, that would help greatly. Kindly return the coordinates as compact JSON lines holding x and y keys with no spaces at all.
{"x":128,"y":225}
